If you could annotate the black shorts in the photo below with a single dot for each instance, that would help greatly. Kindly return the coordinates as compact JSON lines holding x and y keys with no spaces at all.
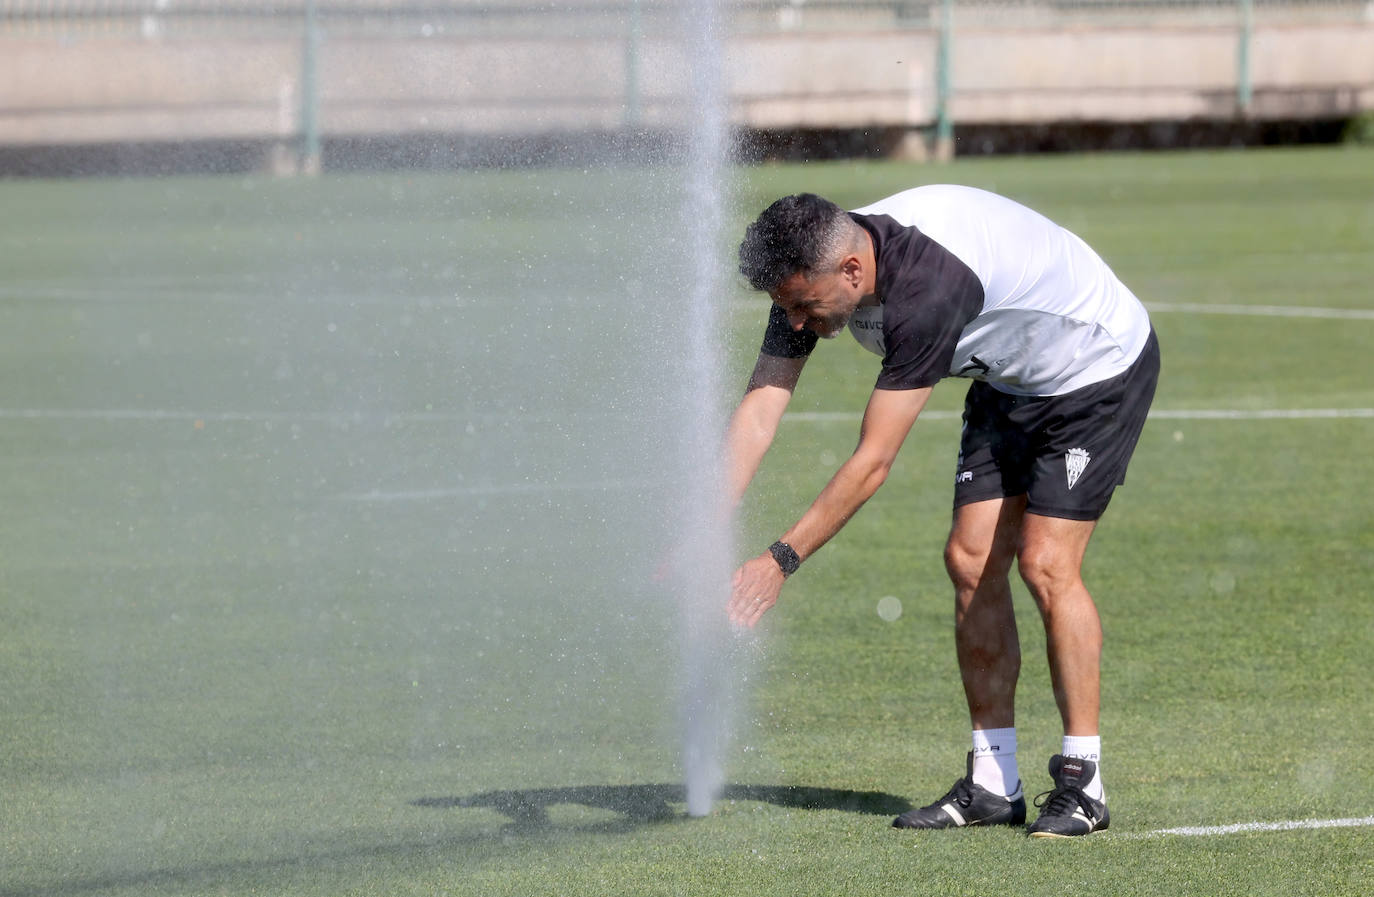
{"x":1066,"y":453}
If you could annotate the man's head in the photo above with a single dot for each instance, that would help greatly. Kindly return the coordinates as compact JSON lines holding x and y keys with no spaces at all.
{"x":812,"y":259}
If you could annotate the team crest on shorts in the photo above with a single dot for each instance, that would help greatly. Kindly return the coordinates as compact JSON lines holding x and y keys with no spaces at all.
{"x":1075,"y":460}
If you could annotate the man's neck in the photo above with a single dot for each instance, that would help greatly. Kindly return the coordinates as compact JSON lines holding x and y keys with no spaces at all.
{"x":869,"y":257}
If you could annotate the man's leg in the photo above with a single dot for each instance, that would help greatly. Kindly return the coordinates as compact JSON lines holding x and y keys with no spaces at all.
{"x":982,"y":545}
{"x":978,"y":556}
{"x":1051,"y":562}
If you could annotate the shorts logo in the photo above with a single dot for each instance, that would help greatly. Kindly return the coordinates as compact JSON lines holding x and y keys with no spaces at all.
{"x":965,"y":476}
{"x":1075,"y":460}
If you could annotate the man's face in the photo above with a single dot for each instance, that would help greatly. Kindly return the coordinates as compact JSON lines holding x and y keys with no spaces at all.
{"x":822,"y":305}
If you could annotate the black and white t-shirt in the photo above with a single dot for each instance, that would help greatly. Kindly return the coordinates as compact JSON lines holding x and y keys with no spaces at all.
{"x":972,"y":284}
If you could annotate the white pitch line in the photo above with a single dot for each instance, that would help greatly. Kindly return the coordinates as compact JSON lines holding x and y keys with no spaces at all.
{"x":820,"y":417}
{"x":161,"y":414}
{"x":320,"y":417}
{"x":1267,"y":311}
{"x":234,"y":290}
{"x":358,"y":417}
{"x":1264,"y":414}
{"x":377,"y":495}
{"x":825,"y":417}
{"x":1195,"y":308}
{"x":1241,"y":827}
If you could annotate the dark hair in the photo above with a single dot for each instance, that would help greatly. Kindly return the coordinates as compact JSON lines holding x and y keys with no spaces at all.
{"x":796,"y":234}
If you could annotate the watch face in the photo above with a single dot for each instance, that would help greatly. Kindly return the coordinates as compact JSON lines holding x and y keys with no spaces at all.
{"x":787,"y":559}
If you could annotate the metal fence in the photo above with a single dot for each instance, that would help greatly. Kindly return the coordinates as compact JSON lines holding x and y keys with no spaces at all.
{"x":228,"y":32}
{"x":410,"y":18}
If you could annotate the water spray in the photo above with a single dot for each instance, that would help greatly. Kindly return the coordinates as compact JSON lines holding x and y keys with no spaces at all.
{"x":709,"y":673}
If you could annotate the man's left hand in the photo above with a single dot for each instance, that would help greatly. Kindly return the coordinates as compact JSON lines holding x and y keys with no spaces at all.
{"x":754,"y":589}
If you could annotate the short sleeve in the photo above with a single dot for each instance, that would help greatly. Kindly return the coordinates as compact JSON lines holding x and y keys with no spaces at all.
{"x":921,"y":345}
{"x":930,"y":302}
{"x":781,"y":341}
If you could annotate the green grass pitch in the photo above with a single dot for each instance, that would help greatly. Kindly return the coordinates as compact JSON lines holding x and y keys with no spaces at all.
{"x":331,"y":509}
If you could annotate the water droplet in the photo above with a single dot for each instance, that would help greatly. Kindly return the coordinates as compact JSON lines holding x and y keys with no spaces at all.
{"x":1223,"y":582}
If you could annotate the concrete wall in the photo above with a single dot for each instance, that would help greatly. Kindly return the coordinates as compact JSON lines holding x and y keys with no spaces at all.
{"x":100,"y":90}
{"x":107,"y":89}
{"x":1143,"y":74}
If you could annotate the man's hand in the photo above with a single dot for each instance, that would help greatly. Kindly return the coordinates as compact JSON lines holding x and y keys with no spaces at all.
{"x":754,"y":589}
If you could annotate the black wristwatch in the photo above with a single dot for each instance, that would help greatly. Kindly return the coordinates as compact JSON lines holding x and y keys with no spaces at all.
{"x":787,"y":559}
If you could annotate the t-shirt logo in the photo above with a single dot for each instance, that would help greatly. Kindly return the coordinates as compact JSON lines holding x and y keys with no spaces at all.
{"x":867,"y":326}
{"x":975,"y":367}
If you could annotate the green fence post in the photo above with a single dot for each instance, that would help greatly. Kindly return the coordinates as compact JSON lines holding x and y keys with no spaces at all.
{"x":944,"y":127}
{"x":1243,"y":82}
{"x":632,"y":69}
{"x":308,"y":153}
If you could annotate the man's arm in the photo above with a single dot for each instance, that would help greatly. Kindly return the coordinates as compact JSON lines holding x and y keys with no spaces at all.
{"x":752,"y":428}
{"x":755,"y":422}
{"x":887,"y":420}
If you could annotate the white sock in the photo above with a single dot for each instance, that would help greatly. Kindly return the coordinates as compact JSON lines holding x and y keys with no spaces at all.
{"x":1087,"y":747}
{"x":994,"y":761}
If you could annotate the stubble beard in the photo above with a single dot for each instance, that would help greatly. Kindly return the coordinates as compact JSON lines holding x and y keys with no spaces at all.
{"x":838,"y":328}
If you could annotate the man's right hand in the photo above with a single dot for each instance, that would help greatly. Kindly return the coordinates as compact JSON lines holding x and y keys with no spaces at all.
{"x":754,"y":589}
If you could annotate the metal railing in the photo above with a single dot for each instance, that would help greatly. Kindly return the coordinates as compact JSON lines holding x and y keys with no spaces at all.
{"x":633,"y":21}
{"x":433,"y":18}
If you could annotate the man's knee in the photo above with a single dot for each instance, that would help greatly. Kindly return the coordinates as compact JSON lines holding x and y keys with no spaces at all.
{"x":971,"y":564}
{"x":1048,"y":570}
{"x":1050,"y":557}
{"x":982,"y":545}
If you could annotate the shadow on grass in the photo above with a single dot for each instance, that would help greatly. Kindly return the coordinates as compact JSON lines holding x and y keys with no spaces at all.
{"x":653,"y":803}
{"x":638,"y":805}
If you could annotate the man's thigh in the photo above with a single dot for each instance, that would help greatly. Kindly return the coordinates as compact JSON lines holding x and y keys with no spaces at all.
{"x":986,"y":535}
{"x":1053,"y":547}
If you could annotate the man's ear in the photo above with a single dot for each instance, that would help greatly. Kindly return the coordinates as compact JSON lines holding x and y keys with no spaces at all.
{"x":852,"y":269}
